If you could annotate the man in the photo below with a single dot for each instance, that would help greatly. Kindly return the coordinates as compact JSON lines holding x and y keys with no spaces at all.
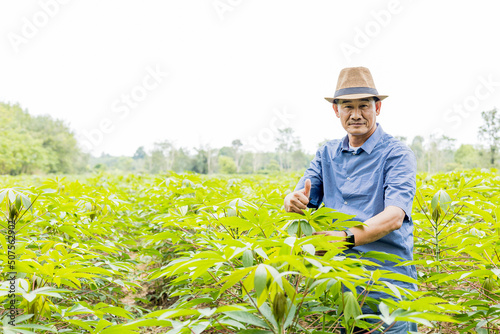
{"x":368,"y":174}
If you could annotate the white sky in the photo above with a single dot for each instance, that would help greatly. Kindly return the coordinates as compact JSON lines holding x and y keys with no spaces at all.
{"x":232,"y":65}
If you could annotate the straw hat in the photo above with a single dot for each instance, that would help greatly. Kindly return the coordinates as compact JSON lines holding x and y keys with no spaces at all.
{"x":355,"y":83}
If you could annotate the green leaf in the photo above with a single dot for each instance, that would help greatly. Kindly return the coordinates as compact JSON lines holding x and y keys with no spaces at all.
{"x":306,"y":228}
{"x":118,"y":311}
{"x":309,"y":249}
{"x":83,"y":324}
{"x":442,"y":199}
{"x":293,"y":228}
{"x":235,"y":222}
{"x":268,"y":314}
{"x":247,"y":258}
{"x":291,"y":314}
{"x":3,"y":242}
{"x":26,"y":202}
{"x":484,"y":214}
{"x":393,"y":288}
{"x":381,"y":256}
{"x":45,"y":291}
{"x":261,"y":252}
{"x":233,"y":278}
{"x":351,"y":307}
{"x":16,"y":330}
{"x":23,"y":317}
{"x":102,"y":324}
{"x":207,"y":312}
{"x":3,"y":192}
{"x":260,"y":279}
{"x":35,"y":326}
{"x":117,"y":329}
{"x":386,"y":316}
{"x":247,"y":318}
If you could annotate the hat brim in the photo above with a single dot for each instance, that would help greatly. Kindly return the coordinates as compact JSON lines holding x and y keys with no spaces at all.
{"x":354,"y":96}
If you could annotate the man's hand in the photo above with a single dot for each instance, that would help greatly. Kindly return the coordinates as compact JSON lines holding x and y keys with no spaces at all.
{"x":298,"y":200}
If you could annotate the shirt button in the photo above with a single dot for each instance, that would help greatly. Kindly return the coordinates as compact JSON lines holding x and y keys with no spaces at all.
{"x":353,"y":153}
{"x":348,"y":179}
{"x":345,"y":202}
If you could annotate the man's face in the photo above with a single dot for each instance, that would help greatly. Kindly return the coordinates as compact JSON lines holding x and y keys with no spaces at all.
{"x":358,"y":116}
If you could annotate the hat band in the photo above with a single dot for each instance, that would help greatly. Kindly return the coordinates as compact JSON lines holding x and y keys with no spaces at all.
{"x":356,"y":90}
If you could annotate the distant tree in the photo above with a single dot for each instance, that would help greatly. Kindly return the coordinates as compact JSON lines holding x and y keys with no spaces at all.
{"x":273,"y":166}
{"x":299,"y":160}
{"x":200,"y":164}
{"x":439,"y":152}
{"x":59,"y":141}
{"x":226,"y":151}
{"x":484,"y":155}
{"x":447,"y":147}
{"x":140,"y":154}
{"x":113,"y":163}
{"x":100,"y":167}
{"x":286,"y":144}
{"x":20,"y":153}
{"x":168,"y":151}
{"x":258,"y":161}
{"x":40,"y":144}
{"x":226,"y":165}
{"x":238,"y":154}
{"x":490,"y":131}
{"x":183,"y":161}
{"x":251,"y":162}
{"x":467,"y":156}
{"x":235,"y":152}
{"x":417,"y":146}
{"x":210,"y":159}
{"x":158,"y":162}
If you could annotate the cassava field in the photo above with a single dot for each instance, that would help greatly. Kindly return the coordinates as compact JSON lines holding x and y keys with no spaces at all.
{"x":199,"y":254}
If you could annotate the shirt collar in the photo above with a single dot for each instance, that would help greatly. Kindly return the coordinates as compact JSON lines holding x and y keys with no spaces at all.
{"x":369,"y":144}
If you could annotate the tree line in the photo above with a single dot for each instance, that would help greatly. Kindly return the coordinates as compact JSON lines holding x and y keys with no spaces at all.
{"x":37,"y":144}
{"x":233,"y":159}
{"x":40,"y":145}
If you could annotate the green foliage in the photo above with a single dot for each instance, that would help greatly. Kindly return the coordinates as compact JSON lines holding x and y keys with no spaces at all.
{"x":36,"y":144}
{"x":219,"y":254}
{"x":227,"y":165}
{"x":467,"y":156}
{"x":457,"y":221}
{"x":252,"y":265}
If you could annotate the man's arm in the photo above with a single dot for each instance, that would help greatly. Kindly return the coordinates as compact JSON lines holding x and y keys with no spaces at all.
{"x":376,"y":227}
{"x":399,"y":190}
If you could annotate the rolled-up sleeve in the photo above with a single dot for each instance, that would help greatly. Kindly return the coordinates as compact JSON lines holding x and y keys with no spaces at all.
{"x":315,"y":174}
{"x":400,"y":180}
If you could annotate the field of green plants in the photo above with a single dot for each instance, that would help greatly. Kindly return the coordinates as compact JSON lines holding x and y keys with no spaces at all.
{"x":199,"y":254}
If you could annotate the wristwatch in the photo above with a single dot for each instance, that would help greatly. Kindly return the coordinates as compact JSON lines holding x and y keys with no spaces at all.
{"x":349,"y":237}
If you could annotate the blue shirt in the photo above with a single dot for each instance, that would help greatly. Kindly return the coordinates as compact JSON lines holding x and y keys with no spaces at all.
{"x":381,"y":173}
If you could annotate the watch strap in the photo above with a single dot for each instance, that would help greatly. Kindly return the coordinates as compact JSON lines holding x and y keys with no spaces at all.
{"x":349,"y":238}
